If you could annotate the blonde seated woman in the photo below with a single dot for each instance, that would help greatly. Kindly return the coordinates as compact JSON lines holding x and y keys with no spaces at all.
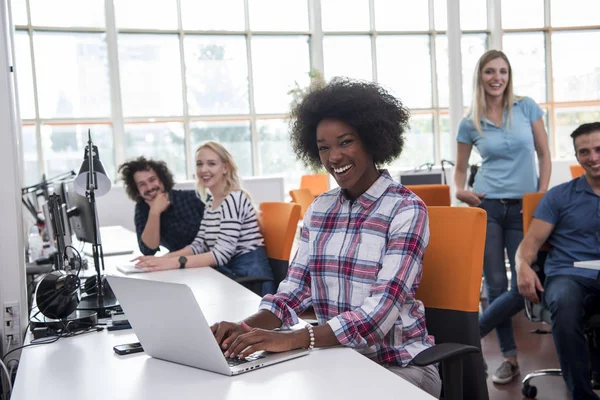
{"x":229,"y":238}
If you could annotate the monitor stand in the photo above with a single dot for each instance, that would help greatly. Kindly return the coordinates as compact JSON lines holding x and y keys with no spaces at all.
{"x":102,"y":306}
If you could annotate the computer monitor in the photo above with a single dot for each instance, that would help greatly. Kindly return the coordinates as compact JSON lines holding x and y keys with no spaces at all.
{"x":80,"y":213}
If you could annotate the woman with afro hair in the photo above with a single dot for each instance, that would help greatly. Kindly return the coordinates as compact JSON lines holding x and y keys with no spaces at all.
{"x":359,"y":259}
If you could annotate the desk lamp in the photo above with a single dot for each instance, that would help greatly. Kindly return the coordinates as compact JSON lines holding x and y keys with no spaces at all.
{"x":91,"y":181}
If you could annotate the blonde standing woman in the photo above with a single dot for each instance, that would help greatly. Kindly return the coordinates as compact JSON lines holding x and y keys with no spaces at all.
{"x":229,"y":238}
{"x":508,"y":132}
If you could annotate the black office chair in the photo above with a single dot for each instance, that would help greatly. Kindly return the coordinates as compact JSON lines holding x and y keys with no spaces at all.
{"x":539,"y":312}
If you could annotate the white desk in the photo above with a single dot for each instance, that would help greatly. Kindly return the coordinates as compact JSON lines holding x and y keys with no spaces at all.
{"x":85,"y":367}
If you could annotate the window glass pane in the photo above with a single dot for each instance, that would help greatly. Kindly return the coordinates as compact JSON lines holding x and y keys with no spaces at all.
{"x":441,"y":58}
{"x":216,"y":74}
{"x":163,"y":141}
{"x":146,"y":14}
{"x":31,"y":174}
{"x":418,"y":144}
{"x":72,"y":74}
{"x":234,"y":135}
{"x":64,"y":145}
{"x":575,"y":66}
{"x":345,"y":15}
{"x":440,"y":15}
{"x":446,"y":139}
{"x":528,"y":61}
{"x":401,"y":15}
{"x":67,"y":13}
{"x":574,"y":12}
{"x":24,"y":75}
{"x":222,"y":15}
{"x":18,"y":10}
{"x":522,"y":14}
{"x":275,"y":153}
{"x":567,"y":120}
{"x":277,"y":15}
{"x":473,"y":46}
{"x":410,"y":81}
{"x":277,"y":63}
{"x":347,"y":56}
{"x":150,"y":75}
{"x":473,"y":14}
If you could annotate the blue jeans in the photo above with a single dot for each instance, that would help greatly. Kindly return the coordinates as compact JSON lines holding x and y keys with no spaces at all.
{"x":253,"y":263}
{"x":570,"y":298}
{"x":504,"y":230}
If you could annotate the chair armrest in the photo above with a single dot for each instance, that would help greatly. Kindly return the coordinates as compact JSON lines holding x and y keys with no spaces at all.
{"x":441,"y":352}
{"x":248,"y":279}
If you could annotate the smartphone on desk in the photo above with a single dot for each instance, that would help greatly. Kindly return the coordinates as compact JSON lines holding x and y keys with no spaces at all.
{"x":129,"y":348}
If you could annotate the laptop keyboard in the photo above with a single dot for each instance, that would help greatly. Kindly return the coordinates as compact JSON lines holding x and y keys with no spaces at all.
{"x":238,"y":361}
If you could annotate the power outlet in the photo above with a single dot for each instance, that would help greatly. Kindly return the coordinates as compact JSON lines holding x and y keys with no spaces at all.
{"x":11,"y":310}
{"x":11,"y":323}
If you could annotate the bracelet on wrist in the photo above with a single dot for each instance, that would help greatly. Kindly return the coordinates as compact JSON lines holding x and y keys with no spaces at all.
{"x":311,"y":336}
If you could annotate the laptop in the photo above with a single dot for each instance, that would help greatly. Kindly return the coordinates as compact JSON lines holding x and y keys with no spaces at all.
{"x":169,"y":323}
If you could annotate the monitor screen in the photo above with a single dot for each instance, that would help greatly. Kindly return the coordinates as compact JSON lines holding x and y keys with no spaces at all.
{"x":80,"y":213}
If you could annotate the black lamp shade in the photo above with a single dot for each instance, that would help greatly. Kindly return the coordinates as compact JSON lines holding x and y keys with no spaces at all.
{"x":102,"y":181}
{"x":56,"y":295}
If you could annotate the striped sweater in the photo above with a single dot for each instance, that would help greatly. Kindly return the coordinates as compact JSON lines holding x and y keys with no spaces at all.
{"x":229,"y":230}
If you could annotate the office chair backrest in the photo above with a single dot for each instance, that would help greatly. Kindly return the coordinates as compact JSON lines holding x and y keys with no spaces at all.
{"x":317,"y":183}
{"x":576,"y":170}
{"x":432,"y":195}
{"x":530,"y":202}
{"x":279,"y":222}
{"x":303,"y":197}
{"x":451,"y":282}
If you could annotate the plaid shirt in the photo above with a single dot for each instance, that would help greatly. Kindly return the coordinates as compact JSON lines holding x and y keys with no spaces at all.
{"x":179,"y":223}
{"x":359,"y":264}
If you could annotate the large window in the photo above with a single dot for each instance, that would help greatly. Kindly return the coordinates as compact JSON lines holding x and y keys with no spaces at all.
{"x":160,"y":80}
{"x":553,"y":62}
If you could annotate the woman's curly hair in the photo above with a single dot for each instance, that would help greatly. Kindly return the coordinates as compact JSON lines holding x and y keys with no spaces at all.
{"x":129,"y":169}
{"x":380,"y":119}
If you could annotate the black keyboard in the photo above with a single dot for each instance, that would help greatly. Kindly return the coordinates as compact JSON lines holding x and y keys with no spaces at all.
{"x":238,"y":361}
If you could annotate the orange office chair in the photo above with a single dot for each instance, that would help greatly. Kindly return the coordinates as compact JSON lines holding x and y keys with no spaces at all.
{"x":317,"y":183}
{"x":432,"y":195}
{"x":303,"y":197}
{"x":452,"y":269}
{"x":278,"y":224}
{"x":536,"y":312}
{"x":576,"y":170}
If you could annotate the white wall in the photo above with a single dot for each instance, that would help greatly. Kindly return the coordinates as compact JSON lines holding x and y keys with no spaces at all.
{"x":115,"y":208}
{"x":12,"y":258}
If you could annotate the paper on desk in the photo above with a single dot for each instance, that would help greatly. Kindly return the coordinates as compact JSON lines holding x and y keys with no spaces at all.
{"x":592,"y":264}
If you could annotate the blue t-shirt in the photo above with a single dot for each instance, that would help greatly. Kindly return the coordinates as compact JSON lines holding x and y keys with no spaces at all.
{"x":508,"y":168}
{"x":574,"y":210}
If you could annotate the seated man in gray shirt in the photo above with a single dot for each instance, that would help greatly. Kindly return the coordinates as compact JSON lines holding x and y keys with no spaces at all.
{"x":163,"y":216}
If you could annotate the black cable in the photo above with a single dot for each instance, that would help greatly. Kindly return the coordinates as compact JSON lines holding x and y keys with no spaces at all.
{"x":78,"y":257}
{"x":54,"y":338}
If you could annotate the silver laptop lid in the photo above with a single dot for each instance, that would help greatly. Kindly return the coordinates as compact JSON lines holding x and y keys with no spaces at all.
{"x":169,"y":323}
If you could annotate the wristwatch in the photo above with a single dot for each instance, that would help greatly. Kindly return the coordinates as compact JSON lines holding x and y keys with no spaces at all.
{"x":182,"y":261}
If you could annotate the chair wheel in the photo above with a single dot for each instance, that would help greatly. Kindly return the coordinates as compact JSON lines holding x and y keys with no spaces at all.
{"x":529,"y":391}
